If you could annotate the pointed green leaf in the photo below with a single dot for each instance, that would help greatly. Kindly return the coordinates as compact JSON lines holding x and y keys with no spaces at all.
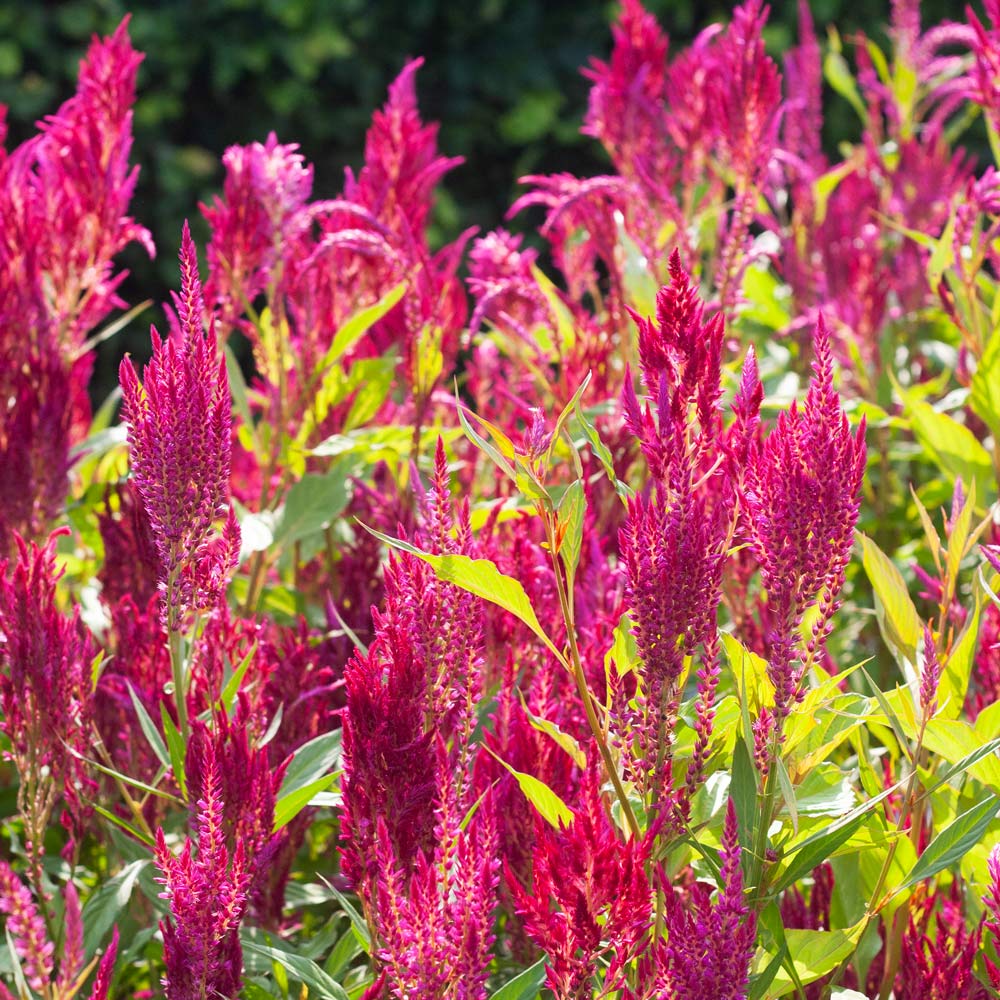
{"x":897,"y":617}
{"x":954,"y":841}
{"x":106,"y":902}
{"x":525,"y":985}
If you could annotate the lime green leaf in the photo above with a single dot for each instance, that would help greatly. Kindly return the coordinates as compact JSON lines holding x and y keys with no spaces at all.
{"x":564,"y":740}
{"x":985,"y":396}
{"x":838,"y":75}
{"x":551,"y":808}
{"x":952,"y":843}
{"x":359,"y":324}
{"x":572,"y":512}
{"x":897,"y":617}
{"x":524,"y":986}
{"x":482,"y":578}
{"x":954,"y":448}
{"x":813,"y":954}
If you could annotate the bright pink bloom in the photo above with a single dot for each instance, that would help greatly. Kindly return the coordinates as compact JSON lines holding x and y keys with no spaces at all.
{"x":207,"y":892}
{"x":45,"y":657}
{"x":801,"y":496}
{"x":26,"y":928}
{"x":179,"y":435}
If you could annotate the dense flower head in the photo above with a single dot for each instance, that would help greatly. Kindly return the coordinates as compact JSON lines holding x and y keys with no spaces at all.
{"x":64,"y":198}
{"x":26,"y":929}
{"x":388,"y":757}
{"x":260,"y":217}
{"x":38,"y":396}
{"x":207,"y":891}
{"x":801,"y":497}
{"x":45,"y":659}
{"x":436,"y":921}
{"x":710,"y":942}
{"x":589,"y":900}
{"x":179,"y":435}
{"x":674,"y":542}
{"x":627,"y":103}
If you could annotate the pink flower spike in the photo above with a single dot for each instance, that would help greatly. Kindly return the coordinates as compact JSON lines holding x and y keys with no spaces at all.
{"x":179,"y":435}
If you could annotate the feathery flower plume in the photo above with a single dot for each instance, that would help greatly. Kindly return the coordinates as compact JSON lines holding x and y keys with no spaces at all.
{"x":179,"y":435}
{"x":64,"y":198}
{"x":710,"y":944}
{"x":674,"y":543}
{"x":26,"y":928}
{"x":207,"y":892}
{"x":45,"y":697}
{"x":801,"y":495}
{"x":589,"y":902}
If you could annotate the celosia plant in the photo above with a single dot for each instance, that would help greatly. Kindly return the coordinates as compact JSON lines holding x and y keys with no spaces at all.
{"x":591,"y":636}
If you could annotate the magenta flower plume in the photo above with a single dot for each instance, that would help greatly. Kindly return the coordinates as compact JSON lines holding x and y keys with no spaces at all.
{"x":992,"y":903}
{"x":710,"y":943}
{"x":930,"y":675}
{"x":26,"y":929}
{"x":45,"y":699}
{"x":674,"y":543}
{"x":179,"y":435}
{"x":801,"y":494}
{"x":589,"y":902}
{"x":207,"y":892}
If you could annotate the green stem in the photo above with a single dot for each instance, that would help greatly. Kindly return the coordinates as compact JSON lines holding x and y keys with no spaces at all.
{"x":178,"y":669}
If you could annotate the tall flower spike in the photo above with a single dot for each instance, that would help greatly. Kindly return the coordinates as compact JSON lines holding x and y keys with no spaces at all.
{"x":710,"y":944}
{"x":207,"y":893}
{"x":45,"y":700}
{"x":801,"y":496}
{"x":26,"y":929}
{"x":179,"y":435}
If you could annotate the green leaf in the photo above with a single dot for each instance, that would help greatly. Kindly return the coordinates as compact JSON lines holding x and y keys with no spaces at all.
{"x":231,"y":689}
{"x":564,"y":740}
{"x":149,"y":729}
{"x":177,"y":748}
{"x":838,"y":75}
{"x":817,"y":849}
{"x":105,"y":904}
{"x":289,"y":806}
{"x":957,"y":668}
{"x":954,"y":841}
{"x":482,"y":578}
{"x":897,"y":617}
{"x":359,"y":324}
{"x":525,"y":985}
{"x":743,"y":789}
{"x":572,"y":512}
{"x":954,"y":448}
{"x":311,"y":761}
{"x":813,"y":954}
{"x":985,"y":395}
{"x":551,"y":808}
{"x":312,"y":504}
{"x":304,"y":970}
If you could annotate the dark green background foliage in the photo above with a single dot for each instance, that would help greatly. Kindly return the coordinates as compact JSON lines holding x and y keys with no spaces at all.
{"x":502,"y":77}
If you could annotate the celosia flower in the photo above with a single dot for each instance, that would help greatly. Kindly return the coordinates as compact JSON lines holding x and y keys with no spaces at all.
{"x":675,"y":542}
{"x":179,"y":435}
{"x":436,"y":921}
{"x":710,"y":944}
{"x":207,"y":892}
{"x":930,"y":675}
{"x":589,"y":901}
{"x":45,"y":699}
{"x":26,"y":928}
{"x":940,"y":964}
{"x":801,"y":495}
